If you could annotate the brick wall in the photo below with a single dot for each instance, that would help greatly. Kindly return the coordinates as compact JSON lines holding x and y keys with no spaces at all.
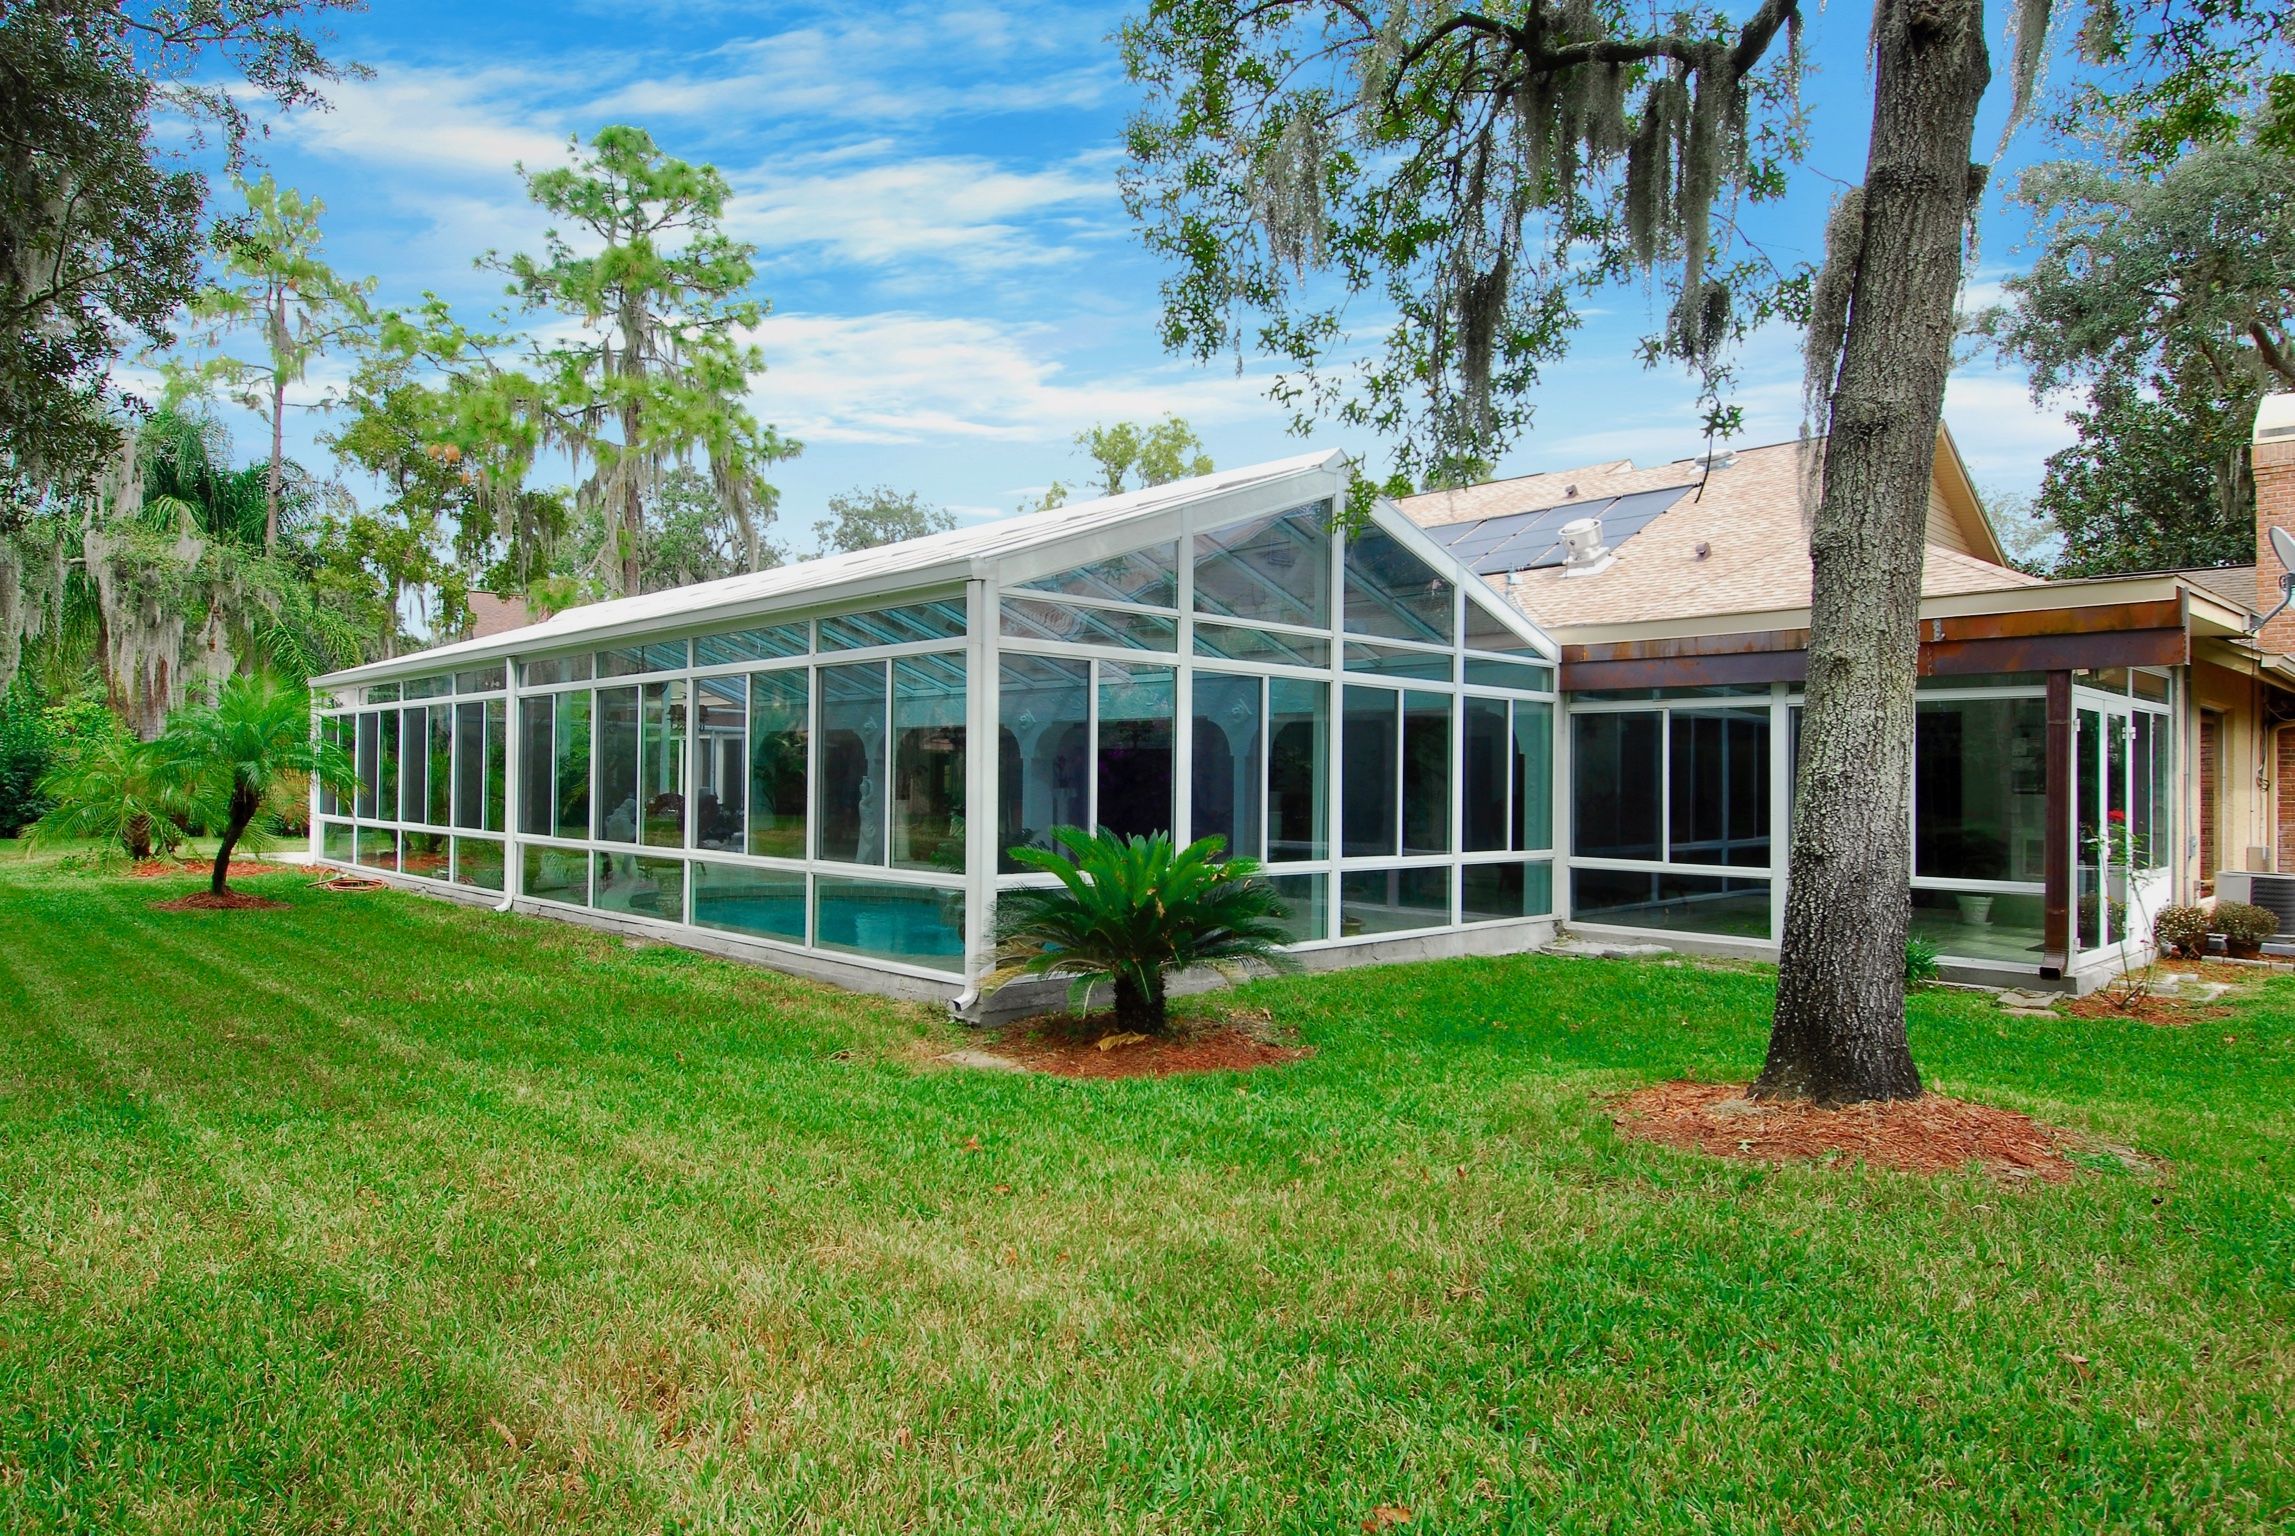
{"x":2274,"y":508}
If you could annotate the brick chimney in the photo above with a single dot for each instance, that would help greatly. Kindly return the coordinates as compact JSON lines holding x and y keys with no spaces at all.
{"x":2274,"y":458}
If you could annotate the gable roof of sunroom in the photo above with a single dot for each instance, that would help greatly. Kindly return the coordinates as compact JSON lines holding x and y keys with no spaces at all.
{"x":1071,"y":535}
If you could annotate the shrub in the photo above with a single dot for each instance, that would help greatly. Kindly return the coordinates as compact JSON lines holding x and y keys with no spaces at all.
{"x":2181,"y":931}
{"x":26,"y":754}
{"x":121,"y":792}
{"x":1920,"y":962}
{"x":2244,"y":926}
{"x":1129,"y":911}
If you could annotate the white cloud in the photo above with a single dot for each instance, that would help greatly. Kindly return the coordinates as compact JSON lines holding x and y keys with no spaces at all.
{"x":945,"y":208}
{"x":908,"y":377}
{"x":438,"y":120}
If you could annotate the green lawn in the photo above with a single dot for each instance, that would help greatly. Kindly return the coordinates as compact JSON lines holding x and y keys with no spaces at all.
{"x":380,"y":1214}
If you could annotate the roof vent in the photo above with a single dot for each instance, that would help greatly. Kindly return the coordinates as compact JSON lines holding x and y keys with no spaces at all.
{"x":1570,"y":491}
{"x":1583,"y":552}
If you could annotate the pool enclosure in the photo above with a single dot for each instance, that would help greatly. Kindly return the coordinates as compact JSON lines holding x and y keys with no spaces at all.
{"x":826,"y":766}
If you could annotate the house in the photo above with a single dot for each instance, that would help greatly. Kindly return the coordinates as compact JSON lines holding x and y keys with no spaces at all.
{"x":2086,"y":750}
{"x":822,"y":767}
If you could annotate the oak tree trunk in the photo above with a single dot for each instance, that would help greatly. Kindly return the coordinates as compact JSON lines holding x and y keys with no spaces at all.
{"x":1838,"y":1035}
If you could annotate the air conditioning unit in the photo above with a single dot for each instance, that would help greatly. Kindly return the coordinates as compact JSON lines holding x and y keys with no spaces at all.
{"x":2273,"y":893}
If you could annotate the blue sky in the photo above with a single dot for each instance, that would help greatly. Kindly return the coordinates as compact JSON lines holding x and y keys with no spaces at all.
{"x":955,"y":288}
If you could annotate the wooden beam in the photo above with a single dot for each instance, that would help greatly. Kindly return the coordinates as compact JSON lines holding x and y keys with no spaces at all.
{"x":2051,"y":653}
{"x":1685,"y":663}
{"x":2056,"y":843}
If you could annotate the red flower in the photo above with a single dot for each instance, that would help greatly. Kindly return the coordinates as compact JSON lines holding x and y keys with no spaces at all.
{"x":2115,"y":816}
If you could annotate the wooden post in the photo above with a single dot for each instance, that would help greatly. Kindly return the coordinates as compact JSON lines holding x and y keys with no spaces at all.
{"x":2056,"y":916}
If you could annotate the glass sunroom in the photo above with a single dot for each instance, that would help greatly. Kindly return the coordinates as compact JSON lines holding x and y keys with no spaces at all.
{"x":825,"y":767}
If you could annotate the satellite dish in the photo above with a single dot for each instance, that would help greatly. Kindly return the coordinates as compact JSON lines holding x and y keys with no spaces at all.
{"x":2282,"y":545}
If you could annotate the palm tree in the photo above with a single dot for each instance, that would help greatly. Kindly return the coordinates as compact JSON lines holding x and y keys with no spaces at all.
{"x":1131,"y":910}
{"x":117,"y":790}
{"x":257,"y":731}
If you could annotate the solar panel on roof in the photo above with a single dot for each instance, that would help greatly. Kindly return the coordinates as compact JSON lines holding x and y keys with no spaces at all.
{"x":1530,"y":540}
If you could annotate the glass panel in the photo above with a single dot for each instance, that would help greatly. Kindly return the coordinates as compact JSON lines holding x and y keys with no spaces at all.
{"x":894,"y":626}
{"x":330,"y":731}
{"x":850,"y":795}
{"x":377,"y":848}
{"x":486,"y":679}
{"x":382,"y":693}
{"x":335,"y":842}
{"x":413,"y":761}
{"x":764,"y":903}
{"x":617,"y":766}
{"x":2150,"y":685}
{"x":1720,"y":787}
{"x":2162,"y":793}
{"x":386,"y":791}
{"x":630,"y":660}
{"x":2000,"y":928}
{"x":662,"y":765}
{"x":1026,"y":618}
{"x":1368,"y":744}
{"x":928,"y":763}
{"x":720,"y":761}
{"x":1137,"y":705}
{"x":1149,"y":576}
{"x":1984,"y":680}
{"x":439,"y":772}
{"x":1640,"y":695}
{"x":1269,"y":645}
{"x":1307,"y":906}
{"x":423,"y":853}
{"x":1426,"y":773}
{"x":1509,"y":674}
{"x":555,"y":669}
{"x":1615,"y":782}
{"x":2088,"y":775}
{"x":1229,"y":739}
{"x":2119,"y":839}
{"x":1490,"y":765}
{"x":1393,"y":900}
{"x":1043,"y":752}
{"x":1533,"y":776}
{"x":1392,"y":592}
{"x":914,"y":924}
{"x":1298,"y":769}
{"x":557,"y":874}
{"x":749,"y":645}
{"x":537,"y":799}
{"x":1490,"y":893}
{"x":1486,"y":631}
{"x":470,"y":765}
{"x":478,"y":863}
{"x":369,"y":764}
{"x":1980,"y":789}
{"x":497,"y":762}
{"x":1386,"y":661}
{"x":1275,"y":570}
{"x":779,"y":734}
{"x":428,"y":687}
{"x":572,"y":761}
{"x":1724,"y":905}
{"x":642,"y":887}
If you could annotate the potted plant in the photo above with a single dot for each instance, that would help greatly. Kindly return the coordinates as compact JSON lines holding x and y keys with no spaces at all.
{"x":2244,"y":928}
{"x":2180,"y":931}
{"x":1130,"y":911}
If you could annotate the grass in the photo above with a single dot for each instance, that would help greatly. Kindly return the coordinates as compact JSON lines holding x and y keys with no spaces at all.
{"x":380,"y":1214}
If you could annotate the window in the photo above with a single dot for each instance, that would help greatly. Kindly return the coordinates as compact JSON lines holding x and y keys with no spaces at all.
{"x":331,"y":731}
{"x":1426,"y":773}
{"x":369,"y":765}
{"x":928,"y":763}
{"x":642,"y":887}
{"x":765,"y":644}
{"x":555,"y":669}
{"x":1146,"y":576}
{"x":438,"y":808}
{"x":386,"y":796}
{"x":1394,"y":594}
{"x":1616,"y":784}
{"x":617,"y":765}
{"x":1489,"y":776}
{"x":1306,"y":899}
{"x":720,"y":762}
{"x":894,"y":626}
{"x":1229,"y":730}
{"x":1137,"y":705}
{"x":1027,"y":618}
{"x":1298,"y":776}
{"x":851,"y":794}
{"x":413,"y":737}
{"x":1486,"y":631}
{"x":917,"y":925}
{"x":478,"y":862}
{"x":1370,"y":731}
{"x":662,"y":764}
{"x":780,"y":737}
{"x":1720,"y":787}
{"x":537,"y":796}
{"x":1726,"y":906}
{"x":486,"y":679}
{"x":632,"y":660}
{"x":1491,"y":893}
{"x":1272,"y":570}
{"x":758,"y":903}
{"x":557,"y":874}
{"x":1393,"y":661}
{"x":497,"y":763}
{"x":470,"y":765}
{"x":1533,"y":776}
{"x":1268,"y":645}
{"x":1980,"y":790}
{"x":1043,"y":752}
{"x":1393,"y":900}
{"x":571,"y":760}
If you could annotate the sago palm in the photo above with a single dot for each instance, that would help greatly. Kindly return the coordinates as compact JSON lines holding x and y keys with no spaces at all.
{"x":256,"y":732}
{"x":1129,"y":911}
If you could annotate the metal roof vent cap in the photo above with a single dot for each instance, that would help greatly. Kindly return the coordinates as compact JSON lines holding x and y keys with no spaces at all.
{"x":1583,"y":552}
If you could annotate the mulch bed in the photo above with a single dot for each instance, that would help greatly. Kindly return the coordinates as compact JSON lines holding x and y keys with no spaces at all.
{"x":153,"y":869}
{"x":1930,"y":1134}
{"x":1067,"y":1046}
{"x":229,"y":901}
{"x":2166,"y":1012}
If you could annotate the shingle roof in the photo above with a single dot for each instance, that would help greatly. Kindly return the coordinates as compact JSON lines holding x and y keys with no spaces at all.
{"x":1745,"y":517}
